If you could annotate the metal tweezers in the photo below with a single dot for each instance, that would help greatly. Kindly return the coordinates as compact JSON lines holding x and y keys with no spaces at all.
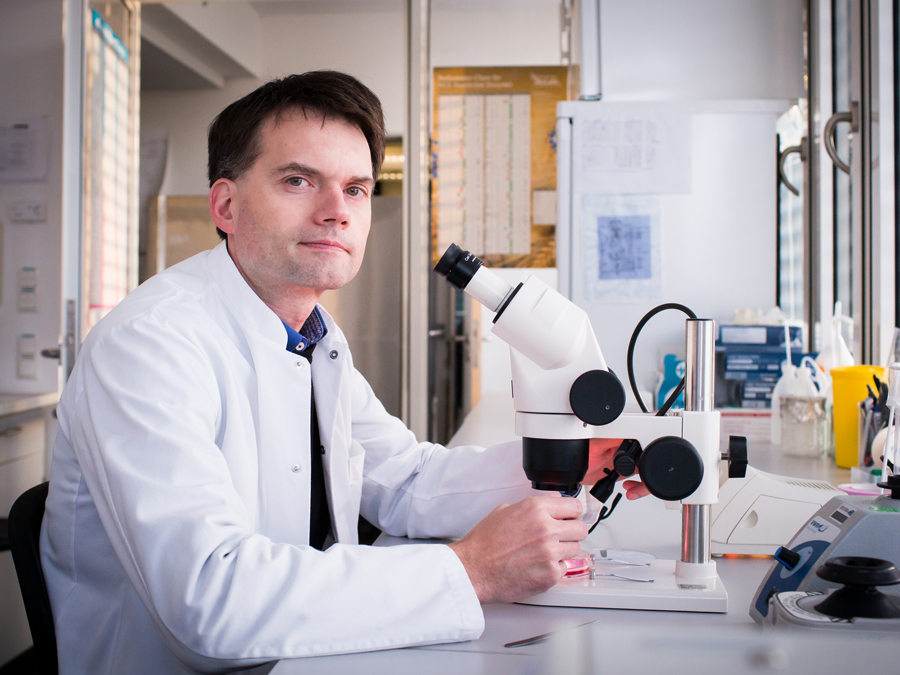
{"x":543,"y":636}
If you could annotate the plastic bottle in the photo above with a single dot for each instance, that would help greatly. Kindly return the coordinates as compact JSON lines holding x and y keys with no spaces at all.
{"x":672,"y":374}
{"x":803,"y":385}
{"x":819,"y":376}
{"x":788,"y":375}
{"x":835,"y":352}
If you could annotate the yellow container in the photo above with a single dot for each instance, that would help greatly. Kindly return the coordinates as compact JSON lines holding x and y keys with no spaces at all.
{"x":849,"y":385}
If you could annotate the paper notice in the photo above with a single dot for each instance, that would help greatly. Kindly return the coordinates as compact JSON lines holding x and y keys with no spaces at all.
{"x":543,"y":207}
{"x":632,"y":150}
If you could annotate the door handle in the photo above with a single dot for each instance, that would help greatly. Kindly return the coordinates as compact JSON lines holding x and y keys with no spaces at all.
{"x":851,"y":116}
{"x":783,"y":156}
{"x":51,"y":353}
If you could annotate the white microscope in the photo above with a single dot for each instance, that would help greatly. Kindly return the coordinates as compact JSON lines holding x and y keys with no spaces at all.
{"x":564,"y":395}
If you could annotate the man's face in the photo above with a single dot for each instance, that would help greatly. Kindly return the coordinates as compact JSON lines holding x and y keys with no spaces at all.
{"x":301,"y":213}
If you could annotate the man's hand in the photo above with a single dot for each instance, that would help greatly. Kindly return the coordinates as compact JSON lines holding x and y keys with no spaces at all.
{"x":516,"y":551}
{"x":602,"y":451}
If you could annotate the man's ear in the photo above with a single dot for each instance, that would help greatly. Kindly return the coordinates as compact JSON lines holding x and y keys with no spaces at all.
{"x":222,"y":204}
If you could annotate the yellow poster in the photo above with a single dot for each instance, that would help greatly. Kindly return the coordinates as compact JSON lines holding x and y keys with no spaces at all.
{"x":493,"y":188}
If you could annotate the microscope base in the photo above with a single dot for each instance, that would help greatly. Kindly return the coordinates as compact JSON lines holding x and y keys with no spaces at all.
{"x":665,"y":592}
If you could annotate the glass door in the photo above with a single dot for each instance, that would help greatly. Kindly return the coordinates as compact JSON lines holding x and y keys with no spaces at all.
{"x":862,"y":62}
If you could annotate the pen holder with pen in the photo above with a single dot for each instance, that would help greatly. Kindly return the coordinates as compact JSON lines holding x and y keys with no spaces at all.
{"x":872,"y":419}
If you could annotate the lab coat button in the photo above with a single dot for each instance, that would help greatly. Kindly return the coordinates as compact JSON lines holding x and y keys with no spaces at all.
{"x":299,"y":364}
{"x":295,"y":468}
{"x":333,"y":354}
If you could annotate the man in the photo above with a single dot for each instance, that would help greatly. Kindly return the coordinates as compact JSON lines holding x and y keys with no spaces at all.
{"x":216,"y":445}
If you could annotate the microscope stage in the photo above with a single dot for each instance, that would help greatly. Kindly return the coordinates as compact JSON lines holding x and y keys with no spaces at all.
{"x":653,"y":587}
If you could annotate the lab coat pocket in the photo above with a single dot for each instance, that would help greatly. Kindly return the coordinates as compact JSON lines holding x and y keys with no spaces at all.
{"x":355,"y":465}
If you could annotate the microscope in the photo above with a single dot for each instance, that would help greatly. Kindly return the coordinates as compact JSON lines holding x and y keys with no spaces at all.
{"x":564,"y":394}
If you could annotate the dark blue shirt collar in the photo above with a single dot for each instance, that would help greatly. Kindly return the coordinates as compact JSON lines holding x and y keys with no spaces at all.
{"x":312,"y":331}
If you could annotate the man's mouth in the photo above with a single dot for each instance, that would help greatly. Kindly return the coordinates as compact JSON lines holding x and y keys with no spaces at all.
{"x":325,"y":245}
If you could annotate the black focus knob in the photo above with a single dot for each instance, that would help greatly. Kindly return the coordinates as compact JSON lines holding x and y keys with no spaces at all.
{"x":625,"y":459}
{"x":787,"y":557}
{"x":671,"y":468}
{"x":737,"y":457}
{"x":597,"y":397}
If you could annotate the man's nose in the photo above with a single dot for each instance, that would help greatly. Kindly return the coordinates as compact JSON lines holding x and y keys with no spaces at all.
{"x":332,"y":207}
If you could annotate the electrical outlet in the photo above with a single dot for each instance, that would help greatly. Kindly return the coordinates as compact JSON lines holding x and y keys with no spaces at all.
{"x":27,"y":357}
{"x":28,"y":211}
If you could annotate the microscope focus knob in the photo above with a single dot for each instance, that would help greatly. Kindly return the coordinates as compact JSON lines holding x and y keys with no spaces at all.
{"x":597,"y":397}
{"x":737,"y":457}
{"x":671,"y":468}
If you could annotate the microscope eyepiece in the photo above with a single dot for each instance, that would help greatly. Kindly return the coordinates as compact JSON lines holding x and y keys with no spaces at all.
{"x":465,"y":272}
{"x":457,"y":267}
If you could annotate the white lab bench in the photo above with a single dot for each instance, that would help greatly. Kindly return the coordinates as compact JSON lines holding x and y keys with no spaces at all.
{"x":644,"y":525}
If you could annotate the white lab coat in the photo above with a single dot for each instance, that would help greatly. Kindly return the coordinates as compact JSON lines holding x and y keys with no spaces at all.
{"x":176,"y":531}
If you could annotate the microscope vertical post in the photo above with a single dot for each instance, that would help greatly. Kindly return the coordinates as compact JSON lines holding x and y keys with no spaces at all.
{"x":699,"y":396}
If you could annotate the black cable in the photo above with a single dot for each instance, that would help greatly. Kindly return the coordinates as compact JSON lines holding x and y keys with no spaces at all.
{"x":672,"y":398}
{"x":634,"y":336}
{"x":604,"y":514}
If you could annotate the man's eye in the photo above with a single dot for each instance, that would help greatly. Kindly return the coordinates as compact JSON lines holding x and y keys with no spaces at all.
{"x":296,"y":181}
{"x":355,"y":192}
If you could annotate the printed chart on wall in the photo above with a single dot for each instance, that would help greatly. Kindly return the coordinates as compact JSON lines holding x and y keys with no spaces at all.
{"x":493,"y":188}
{"x":622,"y":247}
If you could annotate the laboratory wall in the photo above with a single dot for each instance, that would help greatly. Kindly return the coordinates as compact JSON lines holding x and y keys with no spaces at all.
{"x":494,"y":33}
{"x":31,"y":91}
{"x":365,"y":39}
{"x":655,"y":50}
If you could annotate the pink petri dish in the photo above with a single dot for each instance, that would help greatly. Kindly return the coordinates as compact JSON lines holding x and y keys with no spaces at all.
{"x":578,"y":566}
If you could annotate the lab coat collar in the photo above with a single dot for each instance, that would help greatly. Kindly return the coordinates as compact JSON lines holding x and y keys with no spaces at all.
{"x":249,"y":308}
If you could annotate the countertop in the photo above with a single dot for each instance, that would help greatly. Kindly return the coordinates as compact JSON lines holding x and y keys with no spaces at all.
{"x":11,"y":404}
{"x":644,"y":525}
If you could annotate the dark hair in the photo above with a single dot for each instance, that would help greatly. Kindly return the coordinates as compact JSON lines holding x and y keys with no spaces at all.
{"x":234,"y":134}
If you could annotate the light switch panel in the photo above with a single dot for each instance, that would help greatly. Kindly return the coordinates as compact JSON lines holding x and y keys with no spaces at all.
{"x":27,"y":357}
{"x":28,"y":211}
{"x":27,"y":284}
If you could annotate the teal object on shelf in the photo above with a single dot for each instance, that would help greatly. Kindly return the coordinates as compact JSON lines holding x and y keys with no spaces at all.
{"x":673,"y":371}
